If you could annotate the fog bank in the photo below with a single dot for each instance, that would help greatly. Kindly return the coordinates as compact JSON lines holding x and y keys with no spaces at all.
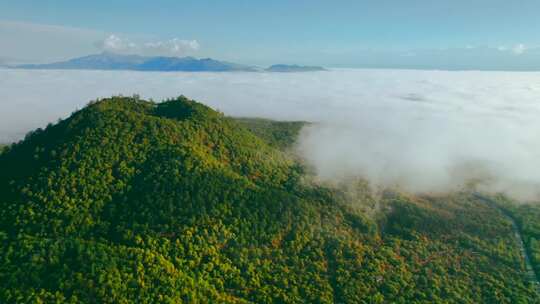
{"x":425,"y":131}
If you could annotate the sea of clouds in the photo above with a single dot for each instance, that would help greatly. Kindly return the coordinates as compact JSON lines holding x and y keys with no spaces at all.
{"x":425,"y":131}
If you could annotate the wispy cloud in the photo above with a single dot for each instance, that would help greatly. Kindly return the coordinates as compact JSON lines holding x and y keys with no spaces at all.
{"x":518,"y":57}
{"x":519,"y":49}
{"x":31,"y":42}
{"x":172,"y":47}
{"x":23,"y":42}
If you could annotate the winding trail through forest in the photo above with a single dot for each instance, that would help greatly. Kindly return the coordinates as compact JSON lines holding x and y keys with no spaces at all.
{"x":529,"y":270}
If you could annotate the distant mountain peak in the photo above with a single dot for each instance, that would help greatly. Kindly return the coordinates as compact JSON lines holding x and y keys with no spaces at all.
{"x":107,"y":60}
{"x":293,"y":68}
{"x":115,"y":61}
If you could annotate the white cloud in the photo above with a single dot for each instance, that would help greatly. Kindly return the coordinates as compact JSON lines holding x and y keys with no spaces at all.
{"x":422,"y":130}
{"x":519,"y":49}
{"x":172,"y":47}
{"x":117,"y":44}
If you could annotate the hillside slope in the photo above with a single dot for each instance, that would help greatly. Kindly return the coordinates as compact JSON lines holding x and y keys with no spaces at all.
{"x":134,"y":201}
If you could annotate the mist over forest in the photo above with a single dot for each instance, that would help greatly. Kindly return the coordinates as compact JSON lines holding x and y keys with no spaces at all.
{"x":424,"y":131}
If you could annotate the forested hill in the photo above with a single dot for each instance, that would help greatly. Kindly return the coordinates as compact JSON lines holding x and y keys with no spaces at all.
{"x":129,"y":201}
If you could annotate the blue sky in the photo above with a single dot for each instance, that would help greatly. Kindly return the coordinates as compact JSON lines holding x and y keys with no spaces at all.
{"x":415,"y":33}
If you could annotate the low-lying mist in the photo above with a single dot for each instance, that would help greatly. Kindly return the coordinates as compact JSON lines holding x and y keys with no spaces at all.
{"x":423,"y":131}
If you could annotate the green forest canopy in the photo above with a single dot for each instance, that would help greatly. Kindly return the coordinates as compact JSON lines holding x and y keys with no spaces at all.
{"x":135,"y":201}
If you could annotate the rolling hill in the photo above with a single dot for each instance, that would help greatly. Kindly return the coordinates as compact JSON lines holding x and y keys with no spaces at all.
{"x":130,"y":201}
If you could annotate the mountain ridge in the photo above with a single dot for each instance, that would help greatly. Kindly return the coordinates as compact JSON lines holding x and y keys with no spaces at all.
{"x":113,"y":61}
{"x":293,"y":68}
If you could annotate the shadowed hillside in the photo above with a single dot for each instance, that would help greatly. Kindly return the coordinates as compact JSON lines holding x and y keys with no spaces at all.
{"x":279,"y":134}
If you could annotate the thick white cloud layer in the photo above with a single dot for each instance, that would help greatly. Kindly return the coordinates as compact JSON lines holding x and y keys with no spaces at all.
{"x":172,"y":47}
{"x":425,"y":131}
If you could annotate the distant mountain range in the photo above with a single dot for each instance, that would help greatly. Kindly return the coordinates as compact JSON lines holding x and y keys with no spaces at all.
{"x":112,"y":61}
{"x":293,"y":68}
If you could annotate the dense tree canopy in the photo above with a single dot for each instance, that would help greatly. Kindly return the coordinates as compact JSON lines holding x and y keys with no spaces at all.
{"x":134,"y":201}
{"x":527,"y":218}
